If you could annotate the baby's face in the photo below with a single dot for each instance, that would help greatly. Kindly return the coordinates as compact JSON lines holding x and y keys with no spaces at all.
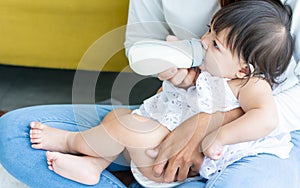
{"x":219,"y":60}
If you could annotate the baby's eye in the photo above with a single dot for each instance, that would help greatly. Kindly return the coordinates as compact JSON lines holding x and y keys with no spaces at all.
{"x":215,"y":44}
{"x":209,"y":30}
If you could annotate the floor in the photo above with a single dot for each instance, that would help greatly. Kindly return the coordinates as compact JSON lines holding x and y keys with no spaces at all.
{"x":23,"y":86}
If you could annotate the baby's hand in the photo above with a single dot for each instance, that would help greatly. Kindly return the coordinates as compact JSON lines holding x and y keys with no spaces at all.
{"x":212,"y":147}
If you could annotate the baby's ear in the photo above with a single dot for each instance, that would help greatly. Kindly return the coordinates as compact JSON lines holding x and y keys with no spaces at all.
{"x":244,"y":71}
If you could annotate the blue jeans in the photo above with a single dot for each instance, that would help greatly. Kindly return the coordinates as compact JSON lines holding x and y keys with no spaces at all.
{"x":29,"y":165}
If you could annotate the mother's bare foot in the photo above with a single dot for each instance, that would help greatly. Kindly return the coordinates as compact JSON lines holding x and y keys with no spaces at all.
{"x":83,"y":169}
{"x":48,"y":138}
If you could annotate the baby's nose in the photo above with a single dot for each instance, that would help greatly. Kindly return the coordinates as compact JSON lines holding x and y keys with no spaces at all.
{"x":204,"y":45}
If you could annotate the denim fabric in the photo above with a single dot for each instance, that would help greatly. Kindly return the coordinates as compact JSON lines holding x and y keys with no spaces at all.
{"x":261,"y":171}
{"x":30,"y":166}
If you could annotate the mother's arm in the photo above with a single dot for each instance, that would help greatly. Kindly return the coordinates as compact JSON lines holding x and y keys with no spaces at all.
{"x":146,"y":20}
{"x":180,"y":152}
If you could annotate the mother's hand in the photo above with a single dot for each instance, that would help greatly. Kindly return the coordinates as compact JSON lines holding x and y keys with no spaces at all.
{"x":182,"y":78}
{"x":179,"y":155}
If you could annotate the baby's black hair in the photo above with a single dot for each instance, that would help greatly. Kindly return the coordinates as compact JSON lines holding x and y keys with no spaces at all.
{"x":259,"y":32}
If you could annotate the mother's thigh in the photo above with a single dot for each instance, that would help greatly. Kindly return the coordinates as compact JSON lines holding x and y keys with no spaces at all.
{"x":262,"y":171}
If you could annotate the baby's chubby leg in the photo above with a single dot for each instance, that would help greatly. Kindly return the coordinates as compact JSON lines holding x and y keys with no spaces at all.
{"x":118,"y":130}
{"x":70,"y":166}
{"x":87,"y":142}
{"x":121,"y":130}
{"x":137,"y":134}
{"x":52,"y":139}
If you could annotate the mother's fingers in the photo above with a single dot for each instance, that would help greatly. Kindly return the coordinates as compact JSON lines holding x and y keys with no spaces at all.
{"x":152,"y":153}
{"x":183,"y":171}
{"x":171,"y":38}
{"x":159,"y":168}
{"x":179,"y":77}
{"x":167,"y":74}
{"x":182,"y":78}
{"x":171,"y":171}
{"x":190,"y":78}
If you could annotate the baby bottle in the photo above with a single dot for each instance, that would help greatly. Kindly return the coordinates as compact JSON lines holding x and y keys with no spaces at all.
{"x":150,"y":57}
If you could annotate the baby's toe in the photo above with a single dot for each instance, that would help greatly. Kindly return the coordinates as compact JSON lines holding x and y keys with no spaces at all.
{"x":36,"y":125}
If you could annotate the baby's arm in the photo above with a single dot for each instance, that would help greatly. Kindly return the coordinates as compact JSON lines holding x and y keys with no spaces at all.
{"x":259,"y":120}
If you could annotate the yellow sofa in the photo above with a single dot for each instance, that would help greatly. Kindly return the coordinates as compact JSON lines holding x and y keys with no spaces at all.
{"x":57,"y":33}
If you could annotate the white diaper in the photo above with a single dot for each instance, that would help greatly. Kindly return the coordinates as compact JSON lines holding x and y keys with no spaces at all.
{"x":145,"y":182}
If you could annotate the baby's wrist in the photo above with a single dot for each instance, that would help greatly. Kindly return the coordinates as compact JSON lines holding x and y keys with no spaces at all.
{"x":221,"y":138}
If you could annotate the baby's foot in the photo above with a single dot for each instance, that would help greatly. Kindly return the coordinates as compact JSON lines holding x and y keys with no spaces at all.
{"x":82,"y":169}
{"x":48,"y":138}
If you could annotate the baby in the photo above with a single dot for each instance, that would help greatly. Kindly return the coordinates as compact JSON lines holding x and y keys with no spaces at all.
{"x":248,"y":46}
